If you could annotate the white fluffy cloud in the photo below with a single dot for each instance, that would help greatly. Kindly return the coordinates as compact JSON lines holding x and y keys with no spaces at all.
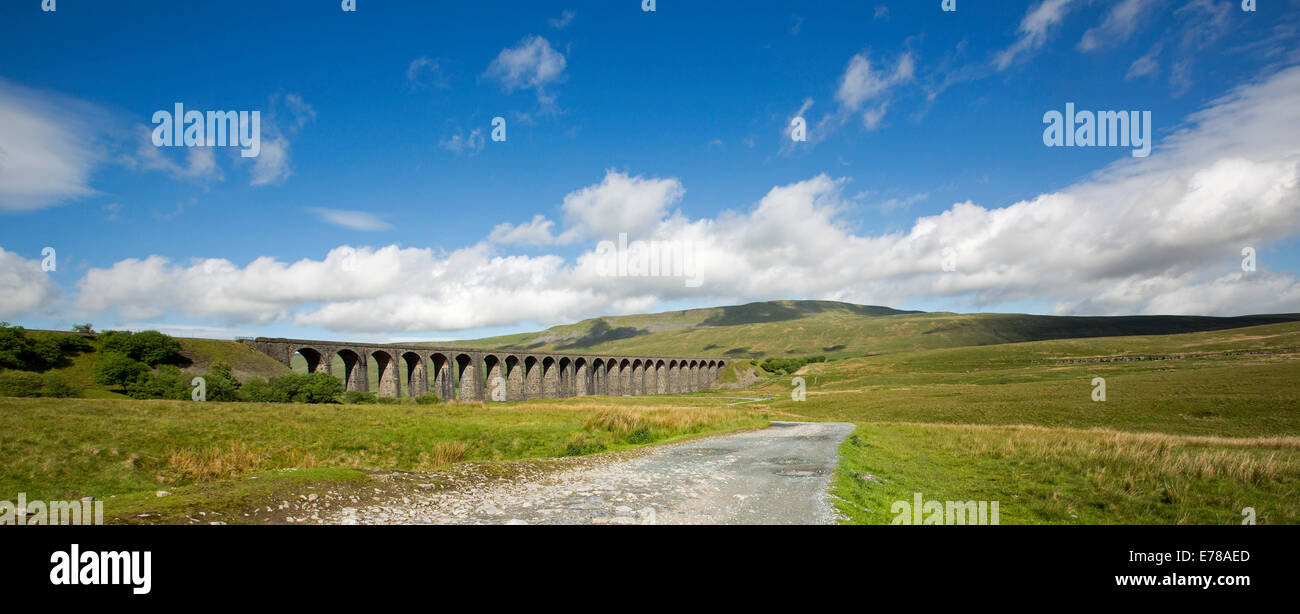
{"x":862,"y":83}
{"x":535,"y":232}
{"x":24,"y":288}
{"x":530,"y":64}
{"x":863,"y":94}
{"x":47,"y":148}
{"x":1161,"y":234}
{"x":619,"y":204}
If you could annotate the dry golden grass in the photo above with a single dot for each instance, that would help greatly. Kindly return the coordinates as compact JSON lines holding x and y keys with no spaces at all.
{"x":215,"y":463}
{"x":622,"y":421}
{"x":448,"y":453}
{"x":1241,"y":459}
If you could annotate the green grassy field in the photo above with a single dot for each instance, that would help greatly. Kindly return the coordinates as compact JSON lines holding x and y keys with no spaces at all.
{"x":1193,"y":440}
{"x":70,"y":448}
{"x":1194,"y":427}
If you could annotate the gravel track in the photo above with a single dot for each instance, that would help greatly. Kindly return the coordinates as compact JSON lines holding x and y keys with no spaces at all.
{"x":776,"y":475}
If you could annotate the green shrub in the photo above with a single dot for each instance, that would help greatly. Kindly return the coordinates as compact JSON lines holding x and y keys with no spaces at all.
{"x":55,"y":385}
{"x":258,"y":390}
{"x":149,"y":347}
{"x":221,"y":383}
{"x":580,"y":444}
{"x":20,"y":384}
{"x":428,"y":398}
{"x":37,"y":351}
{"x":165,"y":382}
{"x":309,"y":387}
{"x":117,"y":369}
{"x":639,"y":435}
{"x":13,"y":342}
{"x":356,"y":397}
{"x":788,"y":365}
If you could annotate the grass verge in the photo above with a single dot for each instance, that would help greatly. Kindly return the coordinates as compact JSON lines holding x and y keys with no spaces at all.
{"x":1069,"y":476}
{"x":70,"y":448}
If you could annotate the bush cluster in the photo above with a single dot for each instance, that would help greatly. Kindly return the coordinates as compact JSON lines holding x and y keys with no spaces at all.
{"x":293,"y":388}
{"x":37,"y":351}
{"x":788,"y":365}
{"x":28,"y":384}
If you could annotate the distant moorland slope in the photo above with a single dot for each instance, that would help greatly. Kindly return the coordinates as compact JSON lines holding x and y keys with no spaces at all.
{"x":834,"y":329}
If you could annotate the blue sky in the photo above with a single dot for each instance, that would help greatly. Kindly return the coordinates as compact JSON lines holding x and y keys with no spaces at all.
{"x":380,"y":209}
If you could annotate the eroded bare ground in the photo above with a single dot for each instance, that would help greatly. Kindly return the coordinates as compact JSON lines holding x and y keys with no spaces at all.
{"x":777,"y":475}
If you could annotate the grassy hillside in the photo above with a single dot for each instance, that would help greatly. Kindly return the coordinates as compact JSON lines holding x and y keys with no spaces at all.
{"x":198,"y":354}
{"x":807,"y":328}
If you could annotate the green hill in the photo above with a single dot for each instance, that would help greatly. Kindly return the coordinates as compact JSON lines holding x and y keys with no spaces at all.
{"x":834,"y":329}
{"x":198,"y":357}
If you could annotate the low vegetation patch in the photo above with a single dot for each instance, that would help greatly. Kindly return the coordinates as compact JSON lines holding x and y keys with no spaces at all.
{"x":1070,"y":476}
{"x":70,"y":448}
{"x":786,"y":366}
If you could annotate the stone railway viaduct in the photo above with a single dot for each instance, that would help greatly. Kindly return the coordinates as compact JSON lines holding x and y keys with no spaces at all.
{"x":475,"y":375}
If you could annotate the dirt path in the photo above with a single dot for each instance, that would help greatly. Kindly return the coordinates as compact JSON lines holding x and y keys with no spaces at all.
{"x":777,"y":475}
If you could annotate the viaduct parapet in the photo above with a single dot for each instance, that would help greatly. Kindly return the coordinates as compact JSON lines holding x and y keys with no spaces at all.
{"x":496,"y":375}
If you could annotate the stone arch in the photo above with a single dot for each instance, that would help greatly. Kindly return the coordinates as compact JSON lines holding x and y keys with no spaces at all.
{"x":355,"y":375}
{"x":693,"y":377}
{"x":625,"y":378}
{"x":549,"y":378}
{"x":387,"y":366}
{"x":532,"y":378}
{"x":598,"y":374}
{"x":661,"y":377}
{"x":514,"y":378}
{"x":495,"y":368}
{"x":651,"y":378}
{"x":638,"y":377}
{"x":564,"y":378}
{"x":417,"y":381}
{"x":471,"y":387}
{"x":613,"y":384}
{"x":674,"y":375}
{"x":315,"y":359}
{"x":443,"y":383}
{"x":581,"y":378}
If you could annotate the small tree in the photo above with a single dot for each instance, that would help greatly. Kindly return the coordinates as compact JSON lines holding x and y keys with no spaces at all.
{"x":59,"y":387}
{"x":319,"y":388}
{"x":258,"y":390}
{"x":83,"y":328}
{"x":117,"y":369}
{"x":221,"y":383}
{"x":154,"y":348}
{"x":165,"y":382}
{"x":150,"y":347}
{"x":19,"y":384}
{"x":13,"y":344}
